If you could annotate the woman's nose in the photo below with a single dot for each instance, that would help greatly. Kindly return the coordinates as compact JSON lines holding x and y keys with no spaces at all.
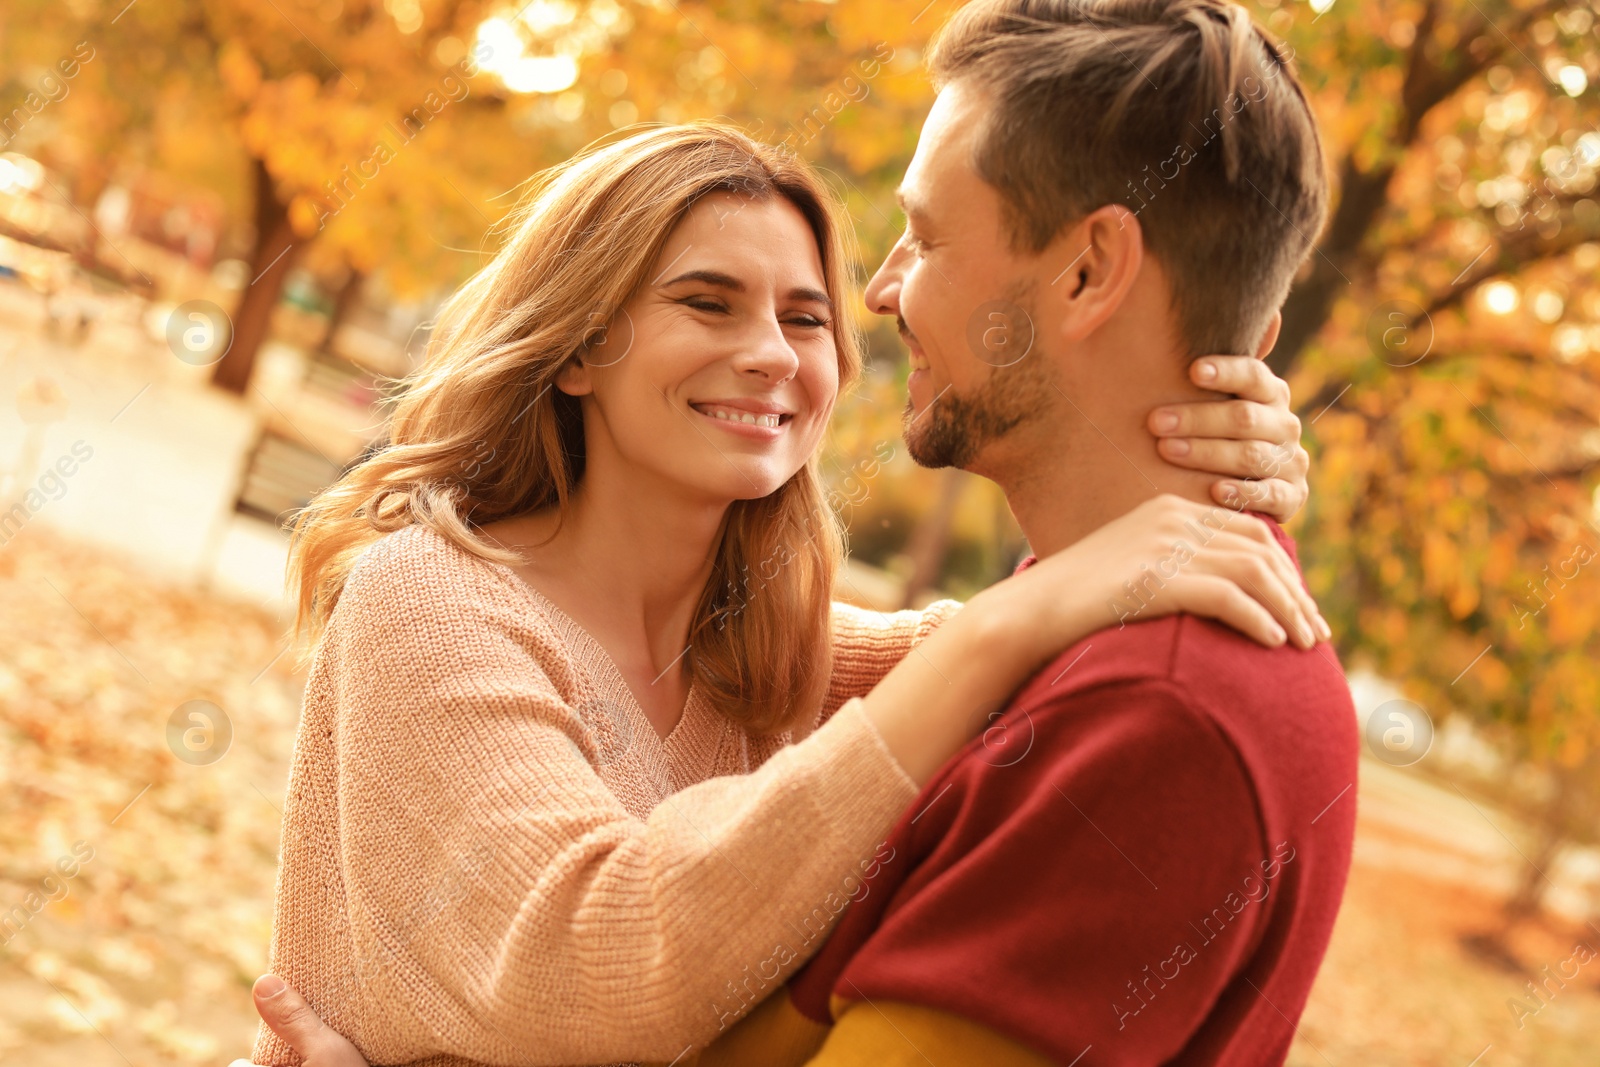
{"x":769,"y":354}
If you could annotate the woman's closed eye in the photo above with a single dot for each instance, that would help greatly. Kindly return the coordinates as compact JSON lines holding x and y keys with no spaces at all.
{"x":809,"y":322}
{"x":705,"y":303}
{"x":712,"y":306}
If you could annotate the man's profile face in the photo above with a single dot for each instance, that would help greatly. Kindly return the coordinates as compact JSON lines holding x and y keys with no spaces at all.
{"x":964,"y":300}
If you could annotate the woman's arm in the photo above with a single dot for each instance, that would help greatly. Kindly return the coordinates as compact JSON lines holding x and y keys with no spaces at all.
{"x":934,"y":700}
{"x":1251,"y":440}
{"x":867,"y":644}
{"x":591,"y":935}
{"x":580,"y":932}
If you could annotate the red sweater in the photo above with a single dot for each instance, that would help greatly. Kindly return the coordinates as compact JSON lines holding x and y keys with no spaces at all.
{"x":1139,"y":863}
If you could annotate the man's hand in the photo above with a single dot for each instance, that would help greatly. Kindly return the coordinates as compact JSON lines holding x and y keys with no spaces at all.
{"x":1254,"y":439}
{"x":291,"y":1018}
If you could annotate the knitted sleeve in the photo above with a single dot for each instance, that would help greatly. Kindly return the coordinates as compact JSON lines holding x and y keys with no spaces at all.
{"x":572,"y":931}
{"x":867,"y":644}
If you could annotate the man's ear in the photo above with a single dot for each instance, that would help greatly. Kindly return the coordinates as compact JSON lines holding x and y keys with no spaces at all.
{"x":1100,"y":257}
{"x":1270,"y":338}
{"x":573,"y":378}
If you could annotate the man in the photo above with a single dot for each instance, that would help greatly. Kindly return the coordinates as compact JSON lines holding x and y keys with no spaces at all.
{"x":1141,"y":861}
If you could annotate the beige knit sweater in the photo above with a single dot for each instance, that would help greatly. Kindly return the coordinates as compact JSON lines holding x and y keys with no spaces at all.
{"x":489,"y":854}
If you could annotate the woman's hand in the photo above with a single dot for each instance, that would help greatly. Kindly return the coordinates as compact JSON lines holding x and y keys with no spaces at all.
{"x":1165,"y":556}
{"x":288,"y":1015}
{"x":1253,"y":439}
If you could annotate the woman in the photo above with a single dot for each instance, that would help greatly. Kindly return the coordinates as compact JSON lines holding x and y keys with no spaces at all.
{"x":582,"y":737}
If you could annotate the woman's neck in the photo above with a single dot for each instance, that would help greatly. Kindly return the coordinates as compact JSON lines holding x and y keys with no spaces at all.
{"x":628,"y":558}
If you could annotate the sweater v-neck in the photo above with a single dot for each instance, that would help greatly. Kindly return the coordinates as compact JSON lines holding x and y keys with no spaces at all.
{"x":692,"y":739}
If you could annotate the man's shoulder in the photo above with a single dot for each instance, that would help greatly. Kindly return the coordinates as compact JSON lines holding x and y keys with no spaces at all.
{"x":1138,"y":700}
{"x":1206,"y":668}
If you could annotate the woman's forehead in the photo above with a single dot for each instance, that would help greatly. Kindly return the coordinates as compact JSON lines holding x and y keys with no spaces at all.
{"x":765,"y":234}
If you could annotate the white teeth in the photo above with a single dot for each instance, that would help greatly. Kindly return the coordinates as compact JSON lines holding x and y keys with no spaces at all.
{"x":747,"y":417}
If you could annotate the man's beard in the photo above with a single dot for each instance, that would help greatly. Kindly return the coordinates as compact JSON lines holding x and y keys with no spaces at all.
{"x":954,"y":429}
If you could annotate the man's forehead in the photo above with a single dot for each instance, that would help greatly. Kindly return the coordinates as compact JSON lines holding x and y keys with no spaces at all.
{"x":944,"y":150}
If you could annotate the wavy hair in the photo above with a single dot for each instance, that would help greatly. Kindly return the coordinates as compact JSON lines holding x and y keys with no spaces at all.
{"x":480,"y":433}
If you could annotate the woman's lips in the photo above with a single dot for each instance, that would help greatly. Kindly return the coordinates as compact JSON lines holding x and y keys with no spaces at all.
{"x":759,"y":422}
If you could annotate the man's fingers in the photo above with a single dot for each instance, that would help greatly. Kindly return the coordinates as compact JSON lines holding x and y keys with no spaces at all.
{"x":1244,"y":376}
{"x":288,"y":1015}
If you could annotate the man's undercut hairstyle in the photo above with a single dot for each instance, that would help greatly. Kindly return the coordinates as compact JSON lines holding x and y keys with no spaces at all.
{"x":1184,"y":111}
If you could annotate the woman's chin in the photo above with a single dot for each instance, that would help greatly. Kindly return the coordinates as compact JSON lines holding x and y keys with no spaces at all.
{"x":753,"y":481}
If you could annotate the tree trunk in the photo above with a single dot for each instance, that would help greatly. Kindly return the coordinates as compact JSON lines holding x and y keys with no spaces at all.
{"x":344,"y":302}
{"x":1551,"y":828}
{"x":276,"y":250}
{"x":931,"y":540}
{"x":1362,"y":198}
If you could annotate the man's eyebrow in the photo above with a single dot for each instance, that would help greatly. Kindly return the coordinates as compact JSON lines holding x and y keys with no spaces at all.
{"x":911,"y":207}
{"x":732,"y":284}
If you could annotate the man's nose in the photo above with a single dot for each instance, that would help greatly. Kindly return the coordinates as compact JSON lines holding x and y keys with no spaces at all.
{"x":883,"y":291}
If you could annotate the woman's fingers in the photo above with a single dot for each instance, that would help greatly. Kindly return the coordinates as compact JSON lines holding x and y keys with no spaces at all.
{"x":1245,"y":377}
{"x":1236,"y":420}
{"x":1238,"y":459}
{"x":1283,"y":564}
{"x":1245,"y":542}
{"x":1276,"y":497}
{"x":1258,"y":574}
{"x":1181,"y":549}
{"x":288,"y":1015}
{"x":1218,"y":598}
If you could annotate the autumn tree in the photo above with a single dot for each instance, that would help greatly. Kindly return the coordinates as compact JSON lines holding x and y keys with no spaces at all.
{"x":1444,"y":337}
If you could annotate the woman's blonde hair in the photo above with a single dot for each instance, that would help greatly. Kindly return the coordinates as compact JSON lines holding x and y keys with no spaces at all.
{"x":480,"y":432}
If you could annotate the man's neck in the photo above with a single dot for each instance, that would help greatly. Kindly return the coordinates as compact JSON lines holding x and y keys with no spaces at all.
{"x":1070,"y":479}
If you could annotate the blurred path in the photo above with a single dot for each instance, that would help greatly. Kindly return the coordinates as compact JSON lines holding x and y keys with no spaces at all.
{"x":165,"y":450}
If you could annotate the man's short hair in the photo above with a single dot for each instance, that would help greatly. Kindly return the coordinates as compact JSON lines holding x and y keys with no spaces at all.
{"x":1184,"y":111}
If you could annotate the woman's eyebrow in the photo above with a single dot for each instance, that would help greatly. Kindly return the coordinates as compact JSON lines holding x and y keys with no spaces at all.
{"x":729,"y":282}
{"x":815,"y":296}
{"x":709,"y":277}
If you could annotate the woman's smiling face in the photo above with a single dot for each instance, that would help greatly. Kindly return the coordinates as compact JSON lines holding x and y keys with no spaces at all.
{"x":720,"y":372}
